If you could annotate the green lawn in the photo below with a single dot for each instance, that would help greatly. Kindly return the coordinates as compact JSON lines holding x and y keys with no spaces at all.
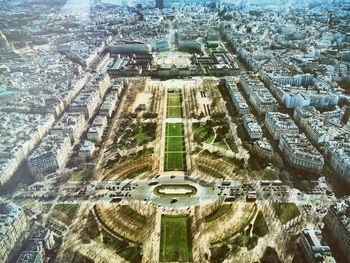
{"x":129,"y":252}
{"x":174,"y":147}
{"x":174,"y":161}
{"x":174,"y":112}
{"x":244,"y":239}
{"x":242,"y":236}
{"x":203,"y":132}
{"x":141,"y":136}
{"x":135,"y":135}
{"x":174,"y":129}
{"x":174,"y":92}
{"x":174,"y":100}
{"x":68,"y":209}
{"x":269,"y":175}
{"x":145,"y":133}
{"x":286,"y":211}
{"x":175,"y":239}
{"x":81,"y":175}
{"x":174,"y":109}
{"x":210,"y":139}
{"x":219,"y":253}
{"x":91,"y":229}
{"x":260,"y":228}
{"x":221,"y":144}
{"x":174,"y":144}
{"x":218,"y":213}
{"x":132,"y":254}
{"x":65,"y":212}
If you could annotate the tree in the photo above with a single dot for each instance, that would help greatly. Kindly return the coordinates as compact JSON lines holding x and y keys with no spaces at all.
{"x":270,"y":256}
{"x":223,"y":130}
{"x":241,"y":163}
{"x":277,"y":160}
{"x":220,"y":254}
{"x":209,"y":123}
{"x":252,"y":242}
{"x":65,"y":177}
{"x":305,"y":185}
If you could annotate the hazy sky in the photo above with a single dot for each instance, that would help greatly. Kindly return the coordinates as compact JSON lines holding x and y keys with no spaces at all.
{"x":82,"y":7}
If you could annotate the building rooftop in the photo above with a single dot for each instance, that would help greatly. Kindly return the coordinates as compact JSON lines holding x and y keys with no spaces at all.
{"x":301,"y":147}
{"x":306,"y":112}
{"x":341,"y":209}
{"x":321,"y":253}
{"x":49,"y":146}
{"x":281,"y":121}
{"x":28,"y":257}
{"x":9,"y":212}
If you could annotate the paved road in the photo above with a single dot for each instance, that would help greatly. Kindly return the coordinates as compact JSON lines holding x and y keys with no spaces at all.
{"x":142,"y":190}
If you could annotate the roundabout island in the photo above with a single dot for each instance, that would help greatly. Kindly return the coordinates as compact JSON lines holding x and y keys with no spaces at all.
{"x":175,"y":190}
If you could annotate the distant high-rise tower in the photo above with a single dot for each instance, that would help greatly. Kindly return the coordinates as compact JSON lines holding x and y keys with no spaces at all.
{"x":160,"y":4}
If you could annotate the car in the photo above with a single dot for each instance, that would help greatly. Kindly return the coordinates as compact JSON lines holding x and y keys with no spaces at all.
{"x":226,"y":183}
{"x":329,"y":192}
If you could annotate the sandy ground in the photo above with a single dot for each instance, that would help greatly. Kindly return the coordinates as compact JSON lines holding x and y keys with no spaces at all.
{"x":142,"y":98}
{"x":178,"y":59}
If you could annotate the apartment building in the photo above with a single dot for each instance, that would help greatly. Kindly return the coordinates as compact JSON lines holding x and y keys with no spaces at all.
{"x":252,"y":127}
{"x":337,"y":221}
{"x":313,"y":249}
{"x":51,"y":154}
{"x":280,"y":124}
{"x":13,"y":223}
{"x":300,"y":153}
